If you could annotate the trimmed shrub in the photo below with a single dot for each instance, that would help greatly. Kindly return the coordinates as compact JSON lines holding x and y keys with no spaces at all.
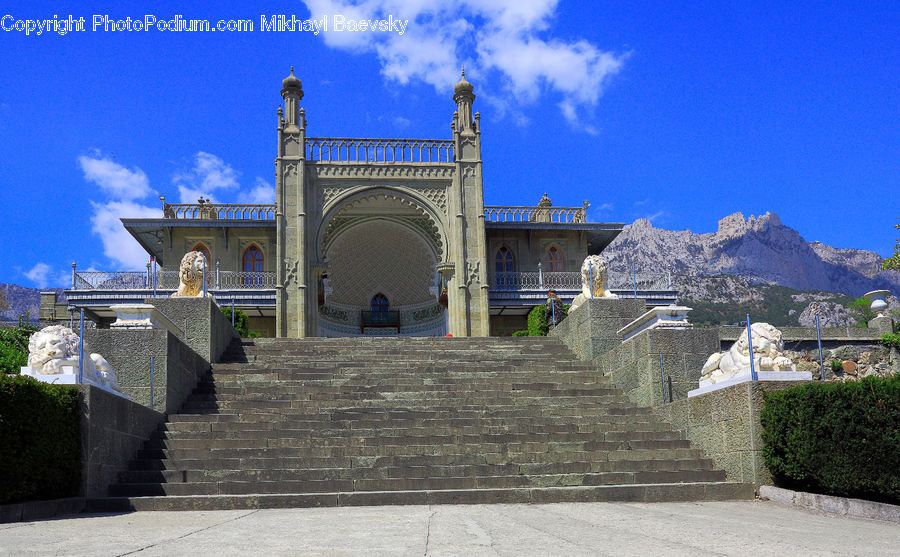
{"x":836,"y":438}
{"x":241,"y":321}
{"x":520,"y":334}
{"x":40,"y":440}
{"x":537,"y":322}
{"x":14,"y":348}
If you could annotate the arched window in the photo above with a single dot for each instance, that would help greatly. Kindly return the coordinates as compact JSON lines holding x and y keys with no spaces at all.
{"x":380,"y":303}
{"x":553,"y":263}
{"x":253,"y":265}
{"x":205,"y":251}
{"x":504,"y":267}
{"x":553,"y":260}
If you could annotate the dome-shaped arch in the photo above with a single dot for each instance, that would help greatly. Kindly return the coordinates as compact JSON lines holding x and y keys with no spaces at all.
{"x":382,"y":202}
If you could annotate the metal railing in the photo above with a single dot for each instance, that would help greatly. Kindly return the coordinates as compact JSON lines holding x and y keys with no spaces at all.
{"x":625,"y":279}
{"x":571,"y":280}
{"x":218,"y":211}
{"x":168,"y":280}
{"x":238,"y":280}
{"x":535,"y":280}
{"x":564,"y":215}
{"x":387,"y":318}
{"x":357,"y":149}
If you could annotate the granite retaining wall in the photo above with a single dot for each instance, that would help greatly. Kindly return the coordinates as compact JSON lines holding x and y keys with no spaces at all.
{"x":725,"y":425}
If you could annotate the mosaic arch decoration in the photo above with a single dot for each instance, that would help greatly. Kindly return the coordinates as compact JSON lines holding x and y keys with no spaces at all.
{"x":422,"y":216}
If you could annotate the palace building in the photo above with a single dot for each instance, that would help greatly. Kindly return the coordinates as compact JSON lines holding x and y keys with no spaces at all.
{"x":369,"y":237}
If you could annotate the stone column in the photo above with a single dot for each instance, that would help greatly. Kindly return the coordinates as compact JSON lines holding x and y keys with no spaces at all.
{"x":293,"y":292}
{"x":468,"y":289}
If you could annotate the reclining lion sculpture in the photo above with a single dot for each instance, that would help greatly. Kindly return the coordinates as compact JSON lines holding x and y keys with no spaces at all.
{"x":54,"y":347}
{"x":597,"y":268}
{"x":768,"y":347}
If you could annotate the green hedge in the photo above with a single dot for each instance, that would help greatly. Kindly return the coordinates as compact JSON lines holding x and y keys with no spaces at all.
{"x":14,"y":348}
{"x":40,"y":440}
{"x":241,"y":321}
{"x":836,"y":438}
{"x":537,"y":322}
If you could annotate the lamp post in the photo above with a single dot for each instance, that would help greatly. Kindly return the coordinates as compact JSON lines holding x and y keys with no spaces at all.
{"x":591,"y":273}
{"x":819,"y":338}
{"x":634,"y":278}
{"x":750,"y":343}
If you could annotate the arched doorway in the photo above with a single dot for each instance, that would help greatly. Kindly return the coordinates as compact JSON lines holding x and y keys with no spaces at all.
{"x":381,"y":250}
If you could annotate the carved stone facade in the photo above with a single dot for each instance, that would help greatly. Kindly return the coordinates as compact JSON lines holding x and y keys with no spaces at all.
{"x":355,"y":218}
{"x":378,"y":217}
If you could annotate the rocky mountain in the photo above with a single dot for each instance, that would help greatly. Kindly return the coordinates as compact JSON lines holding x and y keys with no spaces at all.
{"x":759,"y":249}
{"x":22,"y":299}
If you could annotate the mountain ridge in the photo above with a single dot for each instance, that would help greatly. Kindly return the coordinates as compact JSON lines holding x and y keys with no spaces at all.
{"x":761,"y":249}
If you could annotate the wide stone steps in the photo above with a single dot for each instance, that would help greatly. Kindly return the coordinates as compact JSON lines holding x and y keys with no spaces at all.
{"x":656,"y":492}
{"x":455,"y":434}
{"x":412,"y":482}
{"x":303,"y":422}
{"x":631,"y":459}
{"x":155,"y":471}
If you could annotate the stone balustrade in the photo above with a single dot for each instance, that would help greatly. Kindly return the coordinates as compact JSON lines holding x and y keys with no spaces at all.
{"x":368,"y":150}
{"x":219,"y":211}
{"x":561,"y":215}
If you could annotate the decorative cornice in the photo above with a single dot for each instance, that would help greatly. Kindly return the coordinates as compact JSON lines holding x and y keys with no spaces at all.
{"x":425,"y":171}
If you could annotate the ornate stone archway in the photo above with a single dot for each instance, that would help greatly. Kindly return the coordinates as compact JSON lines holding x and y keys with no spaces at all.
{"x":434,"y":187}
{"x":422,"y":215}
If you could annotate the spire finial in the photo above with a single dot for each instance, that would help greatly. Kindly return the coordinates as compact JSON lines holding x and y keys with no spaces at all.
{"x":464,"y":71}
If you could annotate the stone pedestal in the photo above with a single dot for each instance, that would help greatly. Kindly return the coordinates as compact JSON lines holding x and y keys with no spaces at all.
{"x":745,"y":375}
{"x":68,"y":376}
{"x":142,"y":316}
{"x":634,"y":366}
{"x":660,"y":317}
{"x":592,"y":329}
{"x":882,"y":325}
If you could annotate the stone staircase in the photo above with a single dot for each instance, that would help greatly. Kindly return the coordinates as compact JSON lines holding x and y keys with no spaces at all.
{"x":377,"y":421}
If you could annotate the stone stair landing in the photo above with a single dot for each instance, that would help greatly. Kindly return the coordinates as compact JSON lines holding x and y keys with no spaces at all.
{"x":374,"y":421}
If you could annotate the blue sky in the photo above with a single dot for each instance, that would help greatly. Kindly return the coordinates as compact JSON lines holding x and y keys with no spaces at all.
{"x":678,"y":113}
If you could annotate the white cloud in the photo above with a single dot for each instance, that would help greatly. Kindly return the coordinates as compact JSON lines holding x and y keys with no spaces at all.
{"x":505,"y":43}
{"x":126,"y":191}
{"x":123,"y":188}
{"x":209,"y":174}
{"x":401,"y":122}
{"x":118,"y":244}
{"x":263,"y":193}
{"x":598,"y":211}
{"x":654,"y":216}
{"x":114,"y":179}
{"x":39,"y":275}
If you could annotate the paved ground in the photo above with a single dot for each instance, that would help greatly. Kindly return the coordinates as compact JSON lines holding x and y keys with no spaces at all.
{"x":720,"y":528}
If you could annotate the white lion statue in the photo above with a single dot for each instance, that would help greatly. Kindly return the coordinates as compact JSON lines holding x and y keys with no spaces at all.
{"x":190,"y":274}
{"x":599,"y":268}
{"x":54,"y":347}
{"x":768,"y":347}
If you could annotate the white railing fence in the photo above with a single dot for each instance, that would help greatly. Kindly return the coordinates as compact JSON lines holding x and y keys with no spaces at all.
{"x":168,"y":280}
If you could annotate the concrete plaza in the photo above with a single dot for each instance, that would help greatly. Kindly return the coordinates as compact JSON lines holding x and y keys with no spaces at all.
{"x":710,"y":528}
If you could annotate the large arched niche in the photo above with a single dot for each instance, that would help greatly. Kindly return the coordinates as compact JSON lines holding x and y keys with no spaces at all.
{"x":388,"y":203}
{"x":378,"y":254}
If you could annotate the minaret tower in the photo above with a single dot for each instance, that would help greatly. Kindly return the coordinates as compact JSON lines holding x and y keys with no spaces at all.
{"x":291,"y":309}
{"x":468,"y":301}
